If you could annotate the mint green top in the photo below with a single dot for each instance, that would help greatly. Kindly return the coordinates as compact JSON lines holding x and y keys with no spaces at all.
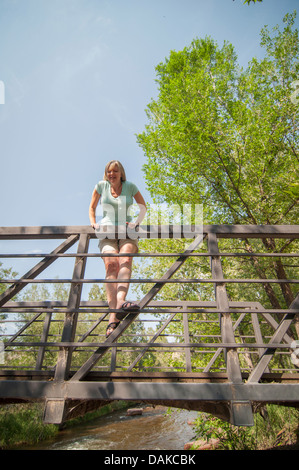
{"x":115,"y":209}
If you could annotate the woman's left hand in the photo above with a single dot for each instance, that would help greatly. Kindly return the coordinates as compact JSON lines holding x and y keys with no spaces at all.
{"x":132,"y":225}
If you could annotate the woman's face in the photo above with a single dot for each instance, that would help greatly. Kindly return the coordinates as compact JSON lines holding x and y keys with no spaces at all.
{"x":114,"y":174}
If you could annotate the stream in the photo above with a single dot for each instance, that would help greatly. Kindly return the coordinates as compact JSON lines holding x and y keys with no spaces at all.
{"x":155,"y":429}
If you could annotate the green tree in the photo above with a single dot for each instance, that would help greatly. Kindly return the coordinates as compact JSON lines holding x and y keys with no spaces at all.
{"x":227,"y":137}
{"x":5,"y":273}
{"x":253,"y":1}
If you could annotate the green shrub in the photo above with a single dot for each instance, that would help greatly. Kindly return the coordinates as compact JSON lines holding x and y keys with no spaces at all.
{"x":23,"y":424}
{"x":276,"y":426}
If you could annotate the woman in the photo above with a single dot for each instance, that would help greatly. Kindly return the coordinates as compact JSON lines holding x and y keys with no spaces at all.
{"x":116,"y":194}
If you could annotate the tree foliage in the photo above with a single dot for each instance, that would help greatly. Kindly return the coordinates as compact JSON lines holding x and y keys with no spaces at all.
{"x":225,"y":136}
{"x":253,"y":1}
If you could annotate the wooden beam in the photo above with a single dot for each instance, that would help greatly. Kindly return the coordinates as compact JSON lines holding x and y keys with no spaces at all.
{"x":44,"y":337}
{"x":278,"y":336}
{"x":151,"y":341}
{"x":150,"y":231}
{"x":36,"y":270}
{"x":70,"y":321}
{"x":55,"y":410}
{"x":226,"y":326}
{"x":240,"y":411}
{"x":85,"y":368}
{"x":126,"y":390}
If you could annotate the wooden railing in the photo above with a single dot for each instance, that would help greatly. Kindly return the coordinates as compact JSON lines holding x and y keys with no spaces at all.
{"x":235,"y":345}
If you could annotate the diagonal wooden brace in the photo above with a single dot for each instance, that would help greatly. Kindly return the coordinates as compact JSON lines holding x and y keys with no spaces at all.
{"x":278,"y":336}
{"x":85,"y":368}
{"x":37,"y":269}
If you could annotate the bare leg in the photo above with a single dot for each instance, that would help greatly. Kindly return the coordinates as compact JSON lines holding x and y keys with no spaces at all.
{"x":125,"y":269}
{"x":118,"y":269}
{"x":112,"y":270}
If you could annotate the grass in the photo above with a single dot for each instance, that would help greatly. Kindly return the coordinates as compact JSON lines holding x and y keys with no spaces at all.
{"x":277,"y":427}
{"x":22,"y":424}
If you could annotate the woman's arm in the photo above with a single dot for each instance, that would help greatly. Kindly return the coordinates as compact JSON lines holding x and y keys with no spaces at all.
{"x":92,"y":207}
{"x":142,"y":207}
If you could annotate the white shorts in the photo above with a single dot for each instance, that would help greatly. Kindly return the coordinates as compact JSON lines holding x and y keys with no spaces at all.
{"x":114,"y":245}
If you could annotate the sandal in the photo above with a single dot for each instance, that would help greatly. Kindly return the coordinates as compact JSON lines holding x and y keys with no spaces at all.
{"x":128,"y":307}
{"x":112,"y":326}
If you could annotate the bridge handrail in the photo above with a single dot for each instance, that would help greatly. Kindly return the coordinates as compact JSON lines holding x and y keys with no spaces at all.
{"x":154,"y":231}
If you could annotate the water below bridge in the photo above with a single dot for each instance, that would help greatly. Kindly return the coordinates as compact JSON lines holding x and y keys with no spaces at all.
{"x":155,"y":429}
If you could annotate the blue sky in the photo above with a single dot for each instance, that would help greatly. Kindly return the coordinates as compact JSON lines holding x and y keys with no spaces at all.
{"x":78,"y":75}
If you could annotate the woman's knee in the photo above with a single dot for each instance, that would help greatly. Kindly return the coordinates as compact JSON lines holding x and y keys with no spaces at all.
{"x":130,"y":249}
{"x":125,"y":262}
{"x":112,"y":266}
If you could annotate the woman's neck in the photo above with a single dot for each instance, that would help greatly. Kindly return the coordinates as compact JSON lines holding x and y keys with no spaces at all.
{"x":116,"y":187}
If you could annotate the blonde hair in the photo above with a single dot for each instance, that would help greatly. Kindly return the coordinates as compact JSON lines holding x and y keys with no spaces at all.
{"x":120,"y":167}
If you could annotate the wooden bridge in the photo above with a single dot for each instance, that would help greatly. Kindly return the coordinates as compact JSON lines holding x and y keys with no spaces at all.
{"x":221,"y":355}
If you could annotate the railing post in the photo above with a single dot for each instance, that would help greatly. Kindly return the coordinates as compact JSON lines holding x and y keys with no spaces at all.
{"x":70,"y":321}
{"x":227,"y":333}
{"x":241,"y":413}
{"x":54,"y":412}
{"x":187,"y":340}
{"x":44,"y":337}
